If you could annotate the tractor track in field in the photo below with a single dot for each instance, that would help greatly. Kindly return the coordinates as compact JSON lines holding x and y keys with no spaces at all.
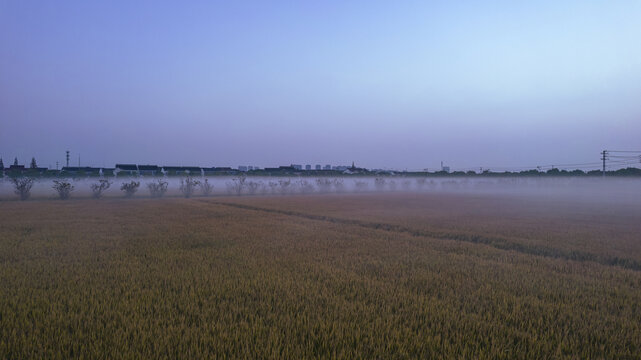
{"x":498,"y":242}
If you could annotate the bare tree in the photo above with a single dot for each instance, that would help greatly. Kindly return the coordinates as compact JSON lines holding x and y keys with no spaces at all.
{"x":339,"y":186}
{"x":392,"y":185}
{"x":379,"y":184}
{"x":237,"y":185}
{"x":273,"y":187}
{"x":285,"y":186}
{"x":64,"y":188}
{"x":157,"y":188}
{"x":22,"y":187}
{"x":100,"y":187}
{"x":407,"y":185}
{"x":263,"y":188}
{"x":324,"y":185}
{"x":360,"y":185}
{"x":206,"y":187}
{"x":188,"y":186}
{"x":130,"y":188}
{"x":306,"y":187}
{"x":252,"y":187}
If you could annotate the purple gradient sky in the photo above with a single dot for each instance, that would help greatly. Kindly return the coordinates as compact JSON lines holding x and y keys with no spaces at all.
{"x":385,"y":84}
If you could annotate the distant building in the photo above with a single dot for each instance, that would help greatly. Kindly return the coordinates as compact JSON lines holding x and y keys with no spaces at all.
{"x":297,"y":167}
{"x":182,"y":170}
{"x":318,"y":167}
{"x":16,"y":169}
{"x":242,"y":168}
{"x":327,"y":167}
{"x":219,"y":171}
{"x":129,"y":169}
{"x":308,"y":167}
{"x":76,"y":170}
{"x":148,"y":170}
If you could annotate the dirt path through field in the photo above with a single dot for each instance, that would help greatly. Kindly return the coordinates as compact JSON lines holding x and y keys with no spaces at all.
{"x":498,"y":242}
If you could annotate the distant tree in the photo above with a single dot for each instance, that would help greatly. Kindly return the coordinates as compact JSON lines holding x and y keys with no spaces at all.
{"x":33,"y":163}
{"x":306,"y":187}
{"x":285,"y":186}
{"x":339,"y":186}
{"x":188,"y":186}
{"x":130,"y":188}
{"x":1,"y":164}
{"x":15,"y":161}
{"x":253,"y":186}
{"x":324,"y":185}
{"x":23,"y":187}
{"x":273,"y":186}
{"x":360,"y":185}
{"x":98,"y":188}
{"x":379,"y":184}
{"x":237,"y":185}
{"x":392,"y":185}
{"x":157,"y":188}
{"x":64,"y":188}
{"x":206,"y":187}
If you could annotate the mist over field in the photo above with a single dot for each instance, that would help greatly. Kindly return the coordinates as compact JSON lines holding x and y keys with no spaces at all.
{"x":582,"y":189}
{"x":175,"y":179}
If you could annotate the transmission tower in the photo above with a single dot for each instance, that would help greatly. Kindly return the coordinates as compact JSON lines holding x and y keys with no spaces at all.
{"x":604,"y":157}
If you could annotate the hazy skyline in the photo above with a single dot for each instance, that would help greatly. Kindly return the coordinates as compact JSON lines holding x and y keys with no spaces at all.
{"x":384,"y":84}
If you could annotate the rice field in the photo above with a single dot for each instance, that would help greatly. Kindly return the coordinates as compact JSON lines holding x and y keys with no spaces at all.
{"x":390,"y":275}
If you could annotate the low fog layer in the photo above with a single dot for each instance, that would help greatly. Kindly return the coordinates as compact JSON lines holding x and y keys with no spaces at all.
{"x":587,"y":189}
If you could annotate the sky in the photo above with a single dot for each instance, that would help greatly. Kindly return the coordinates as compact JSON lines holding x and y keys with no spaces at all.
{"x":384,"y":84}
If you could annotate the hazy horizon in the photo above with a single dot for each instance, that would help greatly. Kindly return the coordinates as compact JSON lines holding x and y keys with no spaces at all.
{"x":386,"y":85}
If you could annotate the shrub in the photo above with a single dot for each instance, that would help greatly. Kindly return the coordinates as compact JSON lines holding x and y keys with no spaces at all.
{"x":157,"y":188}
{"x":130,"y":188}
{"x":64,"y":188}
{"x":98,"y":188}
{"x":23,"y":187}
{"x":188,"y":186}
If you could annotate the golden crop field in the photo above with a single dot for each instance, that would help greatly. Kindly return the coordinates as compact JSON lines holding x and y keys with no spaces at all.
{"x":336,"y":276}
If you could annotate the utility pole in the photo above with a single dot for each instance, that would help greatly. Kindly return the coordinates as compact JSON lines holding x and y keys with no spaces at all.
{"x":67,"y":158}
{"x":604,"y":154}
